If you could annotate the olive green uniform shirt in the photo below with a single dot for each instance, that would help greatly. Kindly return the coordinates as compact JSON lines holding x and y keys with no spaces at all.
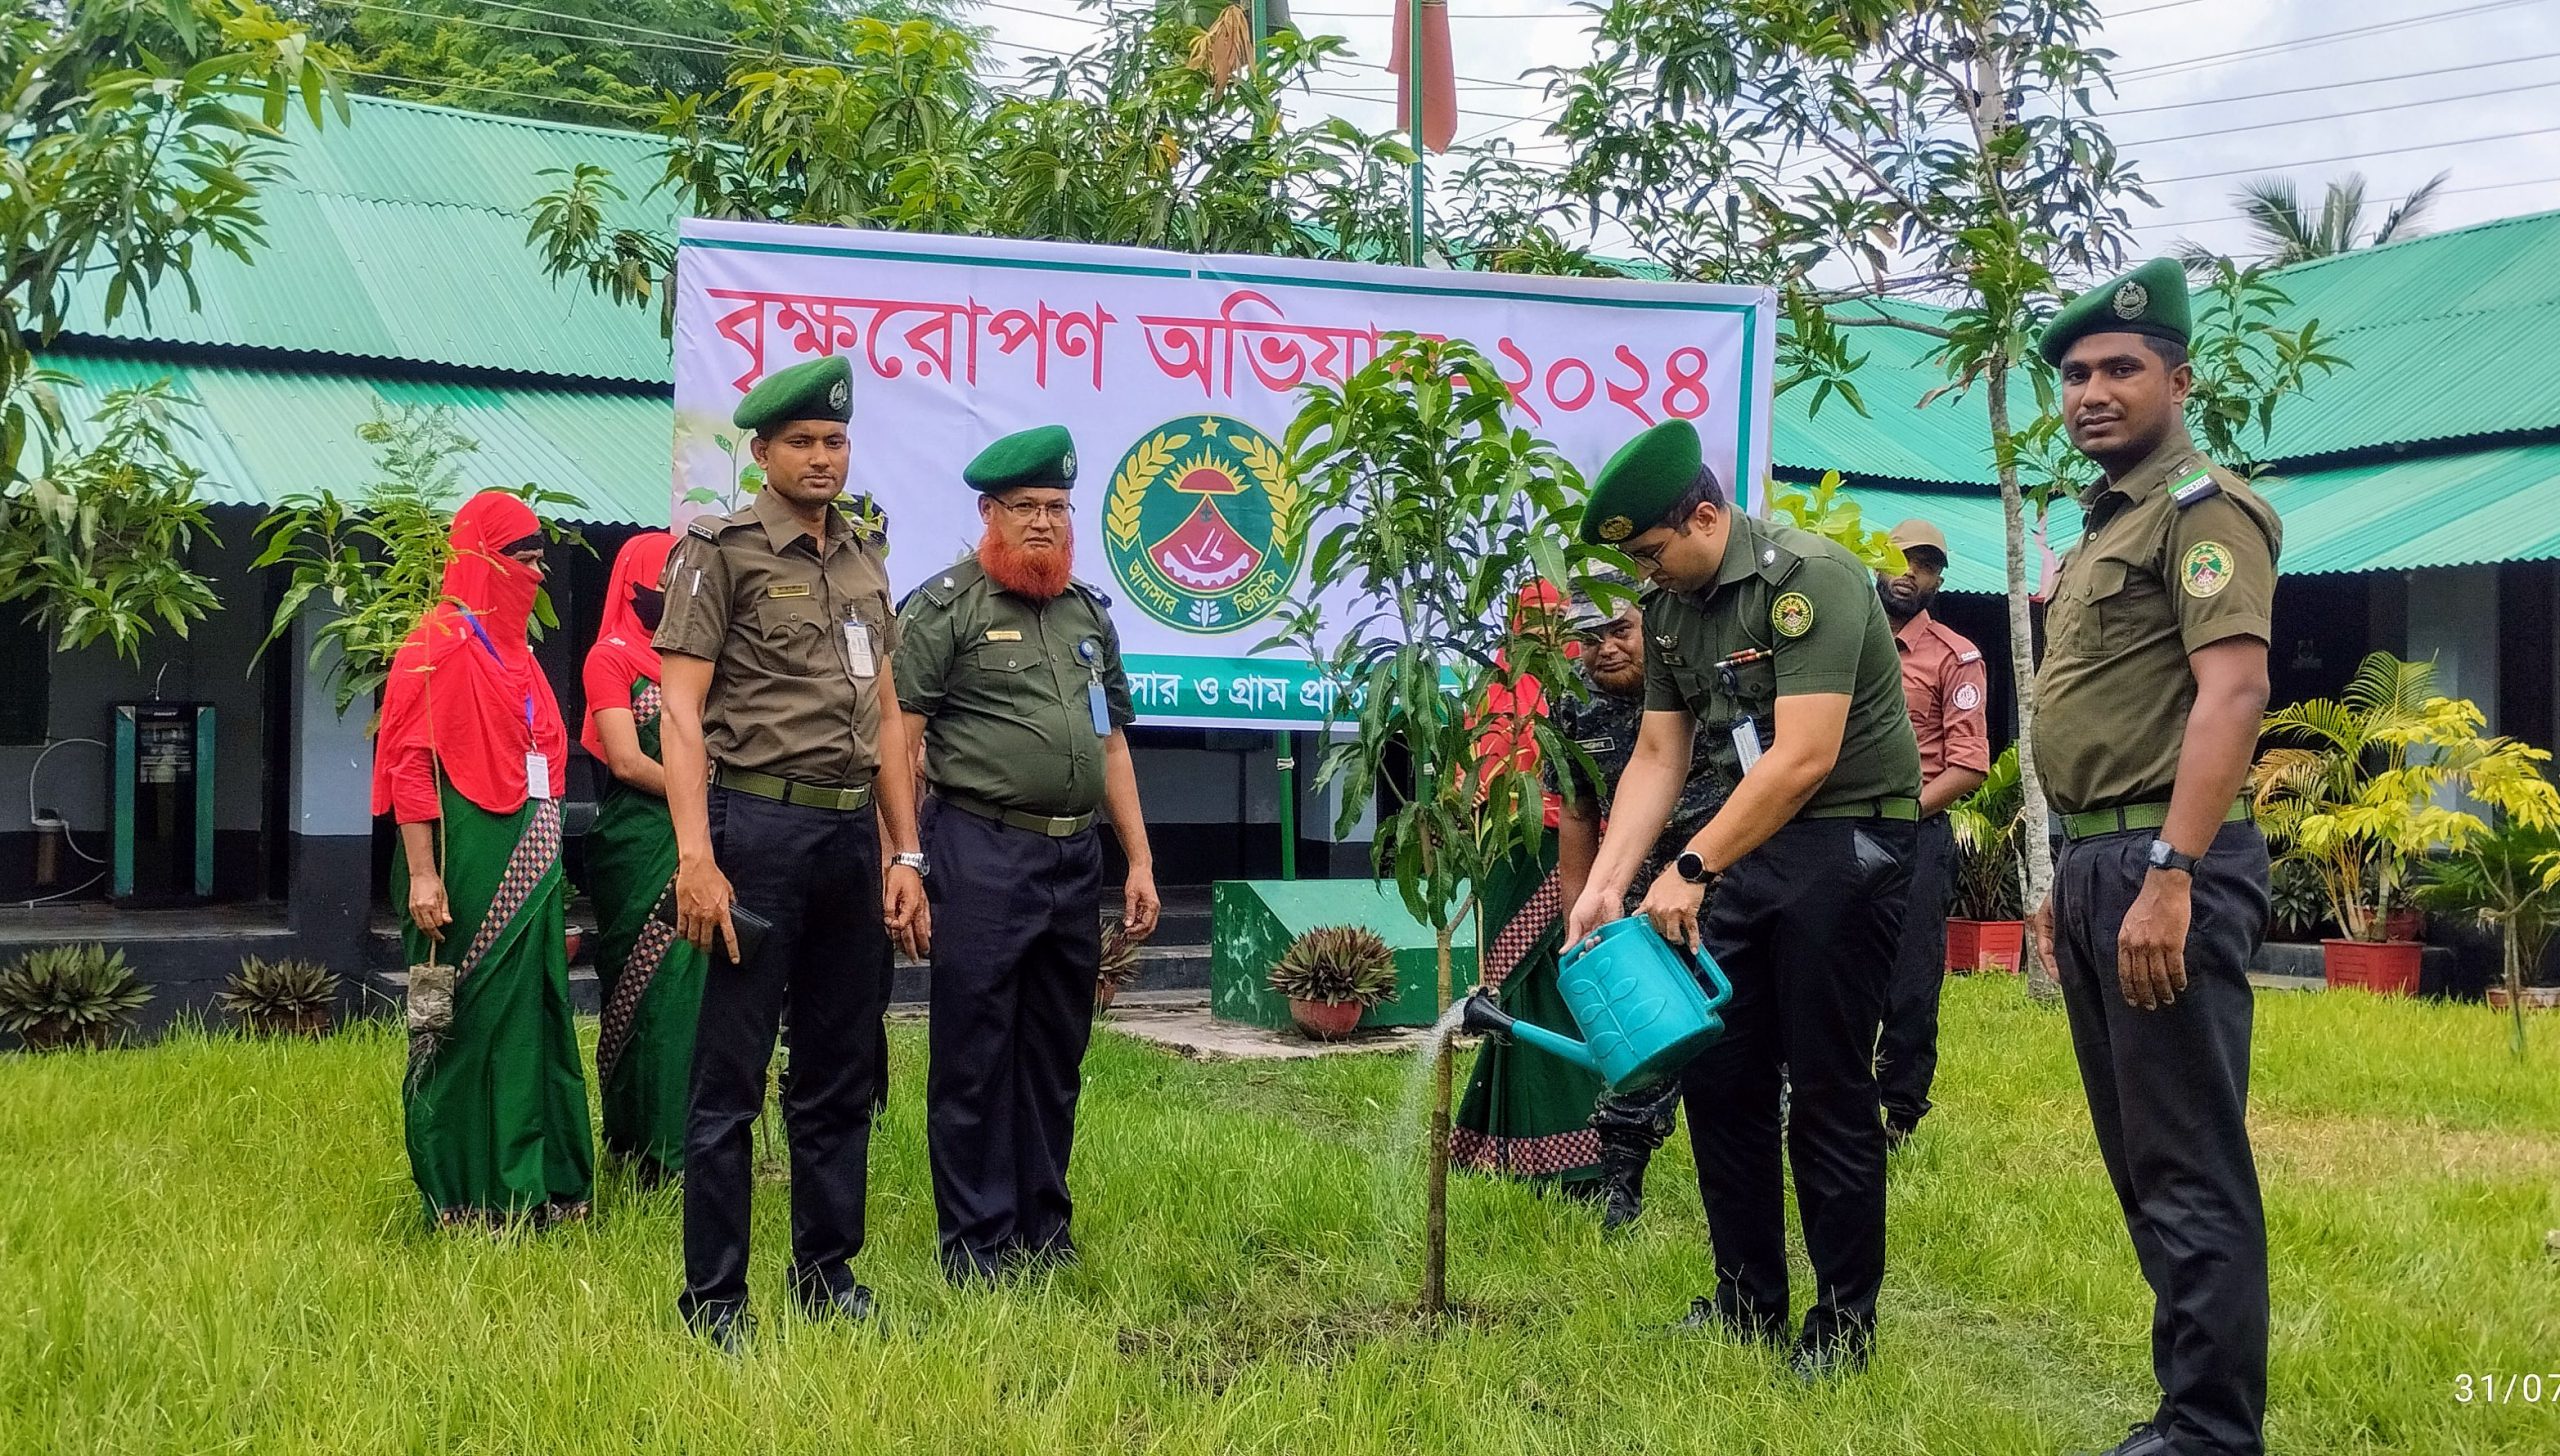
{"x":1814,"y":606}
{"x":1005,"y":685}
{"x":797,"y":635}
{"x":2179,"y":554}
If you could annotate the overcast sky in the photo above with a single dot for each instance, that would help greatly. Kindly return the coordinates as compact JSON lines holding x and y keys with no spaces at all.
{"x":2192,"y":108}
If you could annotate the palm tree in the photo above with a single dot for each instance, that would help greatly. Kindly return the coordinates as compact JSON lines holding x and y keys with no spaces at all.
{"x":2286,"y":232}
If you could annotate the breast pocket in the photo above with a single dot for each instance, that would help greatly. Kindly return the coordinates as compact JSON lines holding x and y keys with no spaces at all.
{"x":2075,"y":623}
{"x":794,"y":640}
{"x":1009,"y":673}
{"x":2124,"y":600}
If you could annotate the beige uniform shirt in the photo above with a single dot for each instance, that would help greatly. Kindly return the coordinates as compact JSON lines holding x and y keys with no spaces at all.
{"x":2179,"y":554}
{"x":798,"y":633}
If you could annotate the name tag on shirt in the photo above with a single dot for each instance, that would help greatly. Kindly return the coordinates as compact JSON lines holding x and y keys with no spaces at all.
{"x":857,"y":648}
{"x":1003,"y":634}
{"x":1746,"y":741}
{"x":537,"y":776}
{"x":788,"y":589}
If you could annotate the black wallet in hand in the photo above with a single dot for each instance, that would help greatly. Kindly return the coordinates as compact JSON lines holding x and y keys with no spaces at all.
{"x":751,"y":927}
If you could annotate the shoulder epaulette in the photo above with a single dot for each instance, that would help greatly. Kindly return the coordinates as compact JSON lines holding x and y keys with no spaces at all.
{"x":1092,"y":593}
{"x":707,"y":527}
{"x":944,"y":586}
{"x":1968,"y":657}
{"x":2199,"y":486}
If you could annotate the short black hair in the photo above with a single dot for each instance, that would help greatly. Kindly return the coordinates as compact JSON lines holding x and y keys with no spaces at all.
{"x":2169,"y":352}
{"x":1703,"y":491}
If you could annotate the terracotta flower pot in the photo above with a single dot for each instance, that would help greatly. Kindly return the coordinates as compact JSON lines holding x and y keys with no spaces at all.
{"x":2536,"y":998}
{"x":1105,"y":991}
{"x":2386,"y":968}
{"x":1326,"y":1020}
{"x":1980,"y":945}
{"x":2405,"y":923}
{"x":575,"y":937}
{"x":314,"y":1022}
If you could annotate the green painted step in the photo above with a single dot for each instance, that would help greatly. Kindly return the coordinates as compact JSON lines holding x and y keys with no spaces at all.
{"x":1253,"y":921}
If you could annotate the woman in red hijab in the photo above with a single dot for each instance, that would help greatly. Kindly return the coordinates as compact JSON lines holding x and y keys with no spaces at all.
{"x":469,"y":762}
{"x":652,"y":977}
{"x":1526,"y":1114}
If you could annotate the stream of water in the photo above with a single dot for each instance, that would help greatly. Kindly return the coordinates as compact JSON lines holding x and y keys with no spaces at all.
{"x":1396,"y":1176}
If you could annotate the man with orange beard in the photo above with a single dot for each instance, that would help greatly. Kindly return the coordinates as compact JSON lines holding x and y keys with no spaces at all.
{"x":1009,"y":672}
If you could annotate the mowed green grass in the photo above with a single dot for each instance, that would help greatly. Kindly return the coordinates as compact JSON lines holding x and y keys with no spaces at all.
{"x":212,"y":1245}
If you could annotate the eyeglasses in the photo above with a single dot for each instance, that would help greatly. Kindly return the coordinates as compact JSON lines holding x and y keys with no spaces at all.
{"x":1035,"y":510}
{"x":1647,"y":557}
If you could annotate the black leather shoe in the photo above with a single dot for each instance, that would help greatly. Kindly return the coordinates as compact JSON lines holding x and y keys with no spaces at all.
{"x":1621,"y":1191}
{"x":1828,"y":1359}
{"x":2145,"y":1439}
{"x":1898,"y":1132}
{"x":851,"y":1304}
{"x":726,"y":1328}
{"x":1704,"y":1317}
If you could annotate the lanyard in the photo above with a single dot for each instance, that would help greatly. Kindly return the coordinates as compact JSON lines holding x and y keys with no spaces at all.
{"x":482,"y":633}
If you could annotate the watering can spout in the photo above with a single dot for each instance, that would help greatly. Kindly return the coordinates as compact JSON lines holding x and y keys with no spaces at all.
{"x":1483,"y":1016}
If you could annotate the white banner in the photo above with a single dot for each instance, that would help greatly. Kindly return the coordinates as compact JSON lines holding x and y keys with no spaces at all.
{"x":1177,"y":374}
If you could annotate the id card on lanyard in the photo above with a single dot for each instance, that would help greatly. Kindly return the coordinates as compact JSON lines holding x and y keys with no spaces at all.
{"x":1746,"y":729}
{"x":537,"y":764}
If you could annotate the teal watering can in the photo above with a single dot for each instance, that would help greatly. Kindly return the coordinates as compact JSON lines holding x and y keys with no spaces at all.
{"x":1637,"y":999}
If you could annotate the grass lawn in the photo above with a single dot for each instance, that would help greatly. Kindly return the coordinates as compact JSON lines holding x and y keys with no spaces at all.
{"x":213,"y":1245}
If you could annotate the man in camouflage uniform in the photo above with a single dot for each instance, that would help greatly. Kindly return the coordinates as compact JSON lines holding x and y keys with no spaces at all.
{"x":1631,"y":1126}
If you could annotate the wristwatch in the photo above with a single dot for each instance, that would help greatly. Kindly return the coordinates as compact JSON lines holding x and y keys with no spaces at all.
{"x":913,"y":860}
{"x":2165,"y":858}
{"x":1692,"y":868}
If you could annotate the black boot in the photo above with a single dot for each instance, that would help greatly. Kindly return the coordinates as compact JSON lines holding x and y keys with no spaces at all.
{"x":1622,"y":1186}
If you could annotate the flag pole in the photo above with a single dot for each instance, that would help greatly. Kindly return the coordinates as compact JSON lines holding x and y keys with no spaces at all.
{"x":1413,"y":101}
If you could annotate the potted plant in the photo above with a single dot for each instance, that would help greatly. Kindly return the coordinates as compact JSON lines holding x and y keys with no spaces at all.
{"x":2359,"y":786}
{"x":2295,"y":904}
{"x":1331,"y":975}
{"x":1119,"y":964}
{"x":70,"y":995}
{"x":2509,"y":881}
{"x":282,"y":997}
{"x":1987,"y":927}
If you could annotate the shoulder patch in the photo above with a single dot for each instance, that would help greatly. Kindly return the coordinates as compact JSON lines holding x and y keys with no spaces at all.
{"x":1792,"y":614}
{"x":2201,"y":486}
{"x":2206,"y":569}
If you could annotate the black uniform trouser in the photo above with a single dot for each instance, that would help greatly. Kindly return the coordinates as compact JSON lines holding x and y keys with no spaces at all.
{"x":823,"y":971}
{"x":1017,"y":941}
{"x":1804,"y":927}
{"x":1907,"y":1052}
{"x":2169,"y":1095}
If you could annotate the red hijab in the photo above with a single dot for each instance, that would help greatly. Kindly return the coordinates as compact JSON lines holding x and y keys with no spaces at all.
{"x":465,"y":691}
{"x":623,"y":651}
{"x":1512,"y":710}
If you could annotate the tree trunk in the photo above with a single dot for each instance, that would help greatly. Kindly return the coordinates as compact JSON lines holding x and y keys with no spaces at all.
{"x":2515,"y":989}
{"x":1435,"y":1219}
{"x":2022,"y":671}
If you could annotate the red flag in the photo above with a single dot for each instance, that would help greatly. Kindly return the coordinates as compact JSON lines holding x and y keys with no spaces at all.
{"x":1439,"y":74}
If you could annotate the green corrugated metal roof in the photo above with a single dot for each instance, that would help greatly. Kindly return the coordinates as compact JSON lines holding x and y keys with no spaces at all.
{"x":401,"y":236}
{"x":262,"y":434}
{"x":2458,"y":509}
{"x":1977,"y":559}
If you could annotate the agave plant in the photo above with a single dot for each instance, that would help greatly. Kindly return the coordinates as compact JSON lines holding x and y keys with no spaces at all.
{"x":1119,"y":963}
{"x":285,"y":995}
{"x":2353,"y":786}
{"x":1336,"y":963}
{"x":69,"y":995}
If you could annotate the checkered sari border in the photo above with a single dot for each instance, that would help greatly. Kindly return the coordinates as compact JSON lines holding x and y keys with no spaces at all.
{"x":1532,"y":1157}
{"x":645,"y":705}
{"x":648,"y":953}
{"x":1518,"y":937}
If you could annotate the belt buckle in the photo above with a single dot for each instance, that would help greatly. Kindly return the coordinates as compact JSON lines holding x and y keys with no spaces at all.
{"x":1061,"y":825}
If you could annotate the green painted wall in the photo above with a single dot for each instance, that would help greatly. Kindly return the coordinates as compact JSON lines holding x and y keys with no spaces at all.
{"x":1253,"y":921}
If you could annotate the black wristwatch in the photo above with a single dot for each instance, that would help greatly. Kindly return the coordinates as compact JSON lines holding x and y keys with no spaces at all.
{"x":2165,"y":858}
{"x":1693,"y":868}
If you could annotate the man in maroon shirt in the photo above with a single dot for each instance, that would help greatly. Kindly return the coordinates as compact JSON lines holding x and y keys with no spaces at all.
{"x":1942,"y":680}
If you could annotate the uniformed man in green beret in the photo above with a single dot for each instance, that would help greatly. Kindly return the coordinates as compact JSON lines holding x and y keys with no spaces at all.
{"x":2149,"y":697}
{"x":780,"y":707}
{"x":1012,"y":683}
{"x":1772,"y":639}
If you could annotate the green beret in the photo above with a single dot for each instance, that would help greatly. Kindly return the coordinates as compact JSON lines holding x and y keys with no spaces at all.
{"x":1642,"y":482}
{"x":1043,"y":457}
{"x":2152,"y":299}
{"x":819,"y":389}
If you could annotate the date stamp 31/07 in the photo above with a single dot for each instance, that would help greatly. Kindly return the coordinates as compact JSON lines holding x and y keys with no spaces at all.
{"x":2507,"y":1387}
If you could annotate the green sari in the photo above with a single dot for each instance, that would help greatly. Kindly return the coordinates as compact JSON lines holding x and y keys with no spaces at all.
{"x":652,"y":980}
{"x":1527,"y":1113}
{"x":496,"y":1103}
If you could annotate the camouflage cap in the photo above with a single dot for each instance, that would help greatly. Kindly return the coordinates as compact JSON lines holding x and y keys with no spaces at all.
{"x":1045,"y":456}
{"x":2152,"y":299}
{"x":818,"y":389}
{"x":1642,"y":482}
